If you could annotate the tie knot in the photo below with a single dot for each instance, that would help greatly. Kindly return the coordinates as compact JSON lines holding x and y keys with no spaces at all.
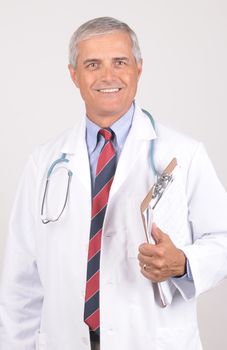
{"x":107,"y":133}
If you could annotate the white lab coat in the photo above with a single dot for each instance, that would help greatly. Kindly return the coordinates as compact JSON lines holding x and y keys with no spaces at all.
{"x":44,"y":277}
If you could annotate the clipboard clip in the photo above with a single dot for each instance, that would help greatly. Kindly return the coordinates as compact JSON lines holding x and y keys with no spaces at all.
{"x":160,"y":186}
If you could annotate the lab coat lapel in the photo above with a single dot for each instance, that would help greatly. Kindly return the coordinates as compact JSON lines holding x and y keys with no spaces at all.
{"x":76,"y":149}
{"x":141,"y":131}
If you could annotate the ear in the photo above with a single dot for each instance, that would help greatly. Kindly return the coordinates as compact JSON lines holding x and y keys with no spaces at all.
{"x":140,"y":68}
{"x":73,"y":75}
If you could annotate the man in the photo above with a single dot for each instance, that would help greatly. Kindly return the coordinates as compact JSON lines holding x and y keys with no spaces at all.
{"x":81,"y":274}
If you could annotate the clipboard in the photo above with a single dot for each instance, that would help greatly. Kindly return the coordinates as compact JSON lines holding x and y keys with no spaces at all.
{"x":166,"y":288}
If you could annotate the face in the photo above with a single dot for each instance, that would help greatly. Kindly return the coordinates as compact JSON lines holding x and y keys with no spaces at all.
{"x":107,"y":75}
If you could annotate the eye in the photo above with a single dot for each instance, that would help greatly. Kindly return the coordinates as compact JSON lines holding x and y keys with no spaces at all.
{"x":92,"y":66}
{"x":120,"y":63}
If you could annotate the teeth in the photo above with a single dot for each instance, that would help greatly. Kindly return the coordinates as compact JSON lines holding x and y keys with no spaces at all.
{"x":109,"y":90}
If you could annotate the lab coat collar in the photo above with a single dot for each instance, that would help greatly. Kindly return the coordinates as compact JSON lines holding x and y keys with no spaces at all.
{"x":141,"y":129}
{"x":76,"y":136}
{"x":76,"y":149}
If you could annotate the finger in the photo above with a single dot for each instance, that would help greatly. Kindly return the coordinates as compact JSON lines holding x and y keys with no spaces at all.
{"x":152,"y":274}
{"x":146,"y":268}
{"x":145,"y":260}
{"x":146,"y":249}
{"x":152,"y":263}
{"x":157,"y":233}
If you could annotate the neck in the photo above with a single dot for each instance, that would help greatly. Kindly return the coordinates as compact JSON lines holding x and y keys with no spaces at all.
{"x":104,"y":120}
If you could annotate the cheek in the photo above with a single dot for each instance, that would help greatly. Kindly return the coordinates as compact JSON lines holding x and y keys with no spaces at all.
{"x":132,"y":79}
{"x":132,"y":84}
{"x":84,"y":86}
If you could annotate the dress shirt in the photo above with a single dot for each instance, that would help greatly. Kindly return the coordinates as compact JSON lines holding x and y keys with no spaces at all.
{"x":95,"y":142}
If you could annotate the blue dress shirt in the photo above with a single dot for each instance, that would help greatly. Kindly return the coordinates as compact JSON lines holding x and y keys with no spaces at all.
{"x":95,"y":143}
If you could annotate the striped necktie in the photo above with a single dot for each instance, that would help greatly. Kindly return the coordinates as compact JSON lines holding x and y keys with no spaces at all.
{"x":105,"y":170}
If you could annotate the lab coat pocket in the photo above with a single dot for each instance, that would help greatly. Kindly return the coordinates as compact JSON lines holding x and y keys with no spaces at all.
{"x":41,"y":341}
{"x":186,"y":338}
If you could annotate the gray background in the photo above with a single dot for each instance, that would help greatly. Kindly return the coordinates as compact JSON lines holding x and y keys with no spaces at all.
{"x":184,"y":45}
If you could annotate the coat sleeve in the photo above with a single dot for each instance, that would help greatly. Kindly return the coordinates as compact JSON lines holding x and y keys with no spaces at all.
{"x":21,"y":291}
{"x":207,"y":200}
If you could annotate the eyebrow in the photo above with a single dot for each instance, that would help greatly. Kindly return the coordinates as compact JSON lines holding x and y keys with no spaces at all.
{"x":91,"y":60}
{"x":96,"y":60}
{"x":120,"y":59}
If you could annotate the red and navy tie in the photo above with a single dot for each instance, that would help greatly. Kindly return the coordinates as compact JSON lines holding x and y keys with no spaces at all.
{"x":105,"y":170}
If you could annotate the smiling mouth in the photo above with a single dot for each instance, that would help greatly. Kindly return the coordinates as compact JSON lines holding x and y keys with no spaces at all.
{"x":109,"y":90}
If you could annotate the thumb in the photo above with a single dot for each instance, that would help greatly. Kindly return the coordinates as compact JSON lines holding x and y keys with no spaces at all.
{"x":157,"y":233}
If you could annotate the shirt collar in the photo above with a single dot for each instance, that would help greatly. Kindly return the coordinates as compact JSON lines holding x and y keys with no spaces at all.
{"x":120,"y":128}
{"x":92,"y":130}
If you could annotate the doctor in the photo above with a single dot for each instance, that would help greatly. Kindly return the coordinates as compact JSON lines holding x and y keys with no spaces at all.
{"x":78,"y":273}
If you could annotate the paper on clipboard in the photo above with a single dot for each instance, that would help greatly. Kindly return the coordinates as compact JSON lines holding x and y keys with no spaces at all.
{"x":150,"y":210}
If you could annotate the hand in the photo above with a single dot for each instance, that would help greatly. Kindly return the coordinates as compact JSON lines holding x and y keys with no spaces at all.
{"x":162,"y":260}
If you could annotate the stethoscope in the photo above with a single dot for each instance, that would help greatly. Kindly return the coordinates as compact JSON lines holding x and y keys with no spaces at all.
{"x":158,"y":188}
{"x":62,"y":159}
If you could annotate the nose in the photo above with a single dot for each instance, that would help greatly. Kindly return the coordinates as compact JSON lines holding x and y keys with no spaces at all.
{"x":107,"y":73}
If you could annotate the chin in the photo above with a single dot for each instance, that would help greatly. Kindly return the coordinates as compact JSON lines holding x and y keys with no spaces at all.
{"x":107,"y":113}
{"x":113,"y":108}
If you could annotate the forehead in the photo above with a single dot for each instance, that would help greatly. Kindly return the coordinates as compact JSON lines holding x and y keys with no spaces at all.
{"x":107,"y":45}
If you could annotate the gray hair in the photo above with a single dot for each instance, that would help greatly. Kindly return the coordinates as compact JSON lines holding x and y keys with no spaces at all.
{"x":101,"y":26}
